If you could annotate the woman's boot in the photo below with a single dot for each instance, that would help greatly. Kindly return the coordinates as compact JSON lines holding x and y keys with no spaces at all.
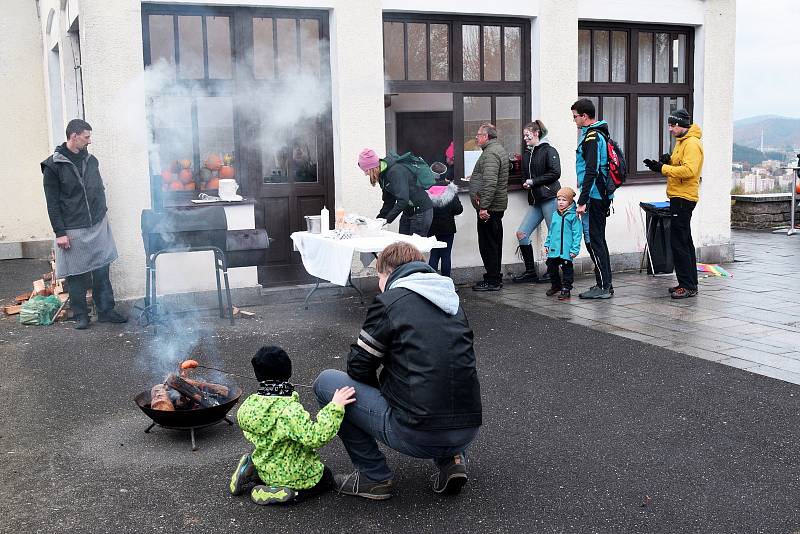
{"x":529,"y":276}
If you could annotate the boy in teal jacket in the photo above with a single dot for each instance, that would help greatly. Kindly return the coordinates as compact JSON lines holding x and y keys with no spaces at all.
{"x":284,"y":464}
{"x":563,"y":244}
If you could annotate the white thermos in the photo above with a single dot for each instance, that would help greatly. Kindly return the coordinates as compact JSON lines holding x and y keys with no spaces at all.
{"x":325,"y":220}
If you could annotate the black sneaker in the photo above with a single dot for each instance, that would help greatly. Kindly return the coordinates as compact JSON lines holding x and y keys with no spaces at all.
{"x":353,"y":484}
{"x":487,"y":286}
{"x":265,"y":495}
{"x":81,"y":322}
{"x":564,"y":295}
{"x":528,"y":277}
{"x":244,"y":474}
{"x":452,"y":477}
{"x":552,"y":291}
{"x":111,"y":317}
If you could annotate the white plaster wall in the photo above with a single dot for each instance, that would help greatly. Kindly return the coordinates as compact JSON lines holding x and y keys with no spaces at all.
{"x":24,"y":214}
{"x":111,"y":48}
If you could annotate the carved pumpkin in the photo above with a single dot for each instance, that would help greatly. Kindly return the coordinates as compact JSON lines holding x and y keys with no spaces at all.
{"x":213,"y":184}
{"x":189,"y":186}
{"x":166,"y":175}
{"x":213,"y":162}
{"x":185,"y":176}
{"x":176,"y":186}
{"x":227,"y":172}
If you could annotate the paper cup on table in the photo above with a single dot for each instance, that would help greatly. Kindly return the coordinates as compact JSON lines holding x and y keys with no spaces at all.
{"x":227,"y":189}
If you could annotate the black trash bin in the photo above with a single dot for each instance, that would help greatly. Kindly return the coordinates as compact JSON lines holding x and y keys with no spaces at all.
{"x":659,"y":258}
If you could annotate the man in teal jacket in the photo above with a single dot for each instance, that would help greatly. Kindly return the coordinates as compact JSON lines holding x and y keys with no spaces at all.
{"x":594,"y":204}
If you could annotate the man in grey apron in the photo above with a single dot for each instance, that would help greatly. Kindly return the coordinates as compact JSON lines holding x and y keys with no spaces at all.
{"x":76,"y":205}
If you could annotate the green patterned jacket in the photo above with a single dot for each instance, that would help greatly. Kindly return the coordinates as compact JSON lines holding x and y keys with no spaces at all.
{"x":286,"y":439}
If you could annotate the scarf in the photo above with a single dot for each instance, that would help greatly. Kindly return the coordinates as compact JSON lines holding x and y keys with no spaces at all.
{"x":273,"y":388}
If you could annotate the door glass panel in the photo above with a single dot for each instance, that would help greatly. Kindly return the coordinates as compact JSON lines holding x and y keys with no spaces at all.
{"x":584,"y":55}
{"x":417,"y":52}
{"x":303,"y":155}
{"x":477,"y":110}
{"x":263,"y":50}
{"x":662,"y":58}
{"x":508,"y":110}
{"x":647,"y":130}
{"x":171,"y":125}
{"x":679,"y":59}
{"x":393,"y":48}
{"x":491,"y":53}
{"x":440,"y":52}
{"x":215,"y":134}
{"x":190,"y":44}
{"x":162,"y":41}
{"x":671,"y":104}
{"x":471,"y":42}
{"x":219,"y":47}
{"x":619,"y":55}
{"x":309,"y":46}
{"x":614,"y":115}
{"x":600,"y":56}
{"x":513,"y":53}
{"x":287,"y":48}
{"x":645,"y":57}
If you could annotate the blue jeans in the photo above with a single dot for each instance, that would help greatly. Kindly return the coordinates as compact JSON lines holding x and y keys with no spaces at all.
{"x":419,"y":223}
{"x":585,"y":224}
{"x":442,"y":254}
{"x":369,"y":419}
{"x":534,"y":217}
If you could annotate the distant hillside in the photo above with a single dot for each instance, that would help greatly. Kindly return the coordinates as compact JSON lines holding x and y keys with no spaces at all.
{"x":753,"y":156}
{"x":779,"y":132}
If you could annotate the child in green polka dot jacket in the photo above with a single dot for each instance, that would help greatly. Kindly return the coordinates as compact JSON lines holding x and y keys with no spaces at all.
{"x":284,"y":464}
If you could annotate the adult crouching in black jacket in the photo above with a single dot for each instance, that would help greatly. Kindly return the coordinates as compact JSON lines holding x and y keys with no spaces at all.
{"x":426,"y":400}
{"x":401,"y":194}
{"x":541,"y":169}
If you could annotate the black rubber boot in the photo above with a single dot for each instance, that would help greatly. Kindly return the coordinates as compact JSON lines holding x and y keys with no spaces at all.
{"x":529,"y":276}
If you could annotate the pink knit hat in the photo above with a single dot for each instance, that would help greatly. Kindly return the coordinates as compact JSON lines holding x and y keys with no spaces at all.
{"x":368,"y":159}
{"x":449,"y":152}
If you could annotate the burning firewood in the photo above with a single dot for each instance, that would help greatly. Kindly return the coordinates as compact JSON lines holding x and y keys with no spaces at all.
{"x":209,"y":387}
{"x":191,"y":391}
{"x":159,"y":399}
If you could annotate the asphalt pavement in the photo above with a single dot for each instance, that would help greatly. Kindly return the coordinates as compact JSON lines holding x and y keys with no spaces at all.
{"x":583,"y":432}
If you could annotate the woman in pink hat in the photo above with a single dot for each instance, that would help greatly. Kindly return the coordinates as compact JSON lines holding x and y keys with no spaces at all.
{"x":401,"y":194}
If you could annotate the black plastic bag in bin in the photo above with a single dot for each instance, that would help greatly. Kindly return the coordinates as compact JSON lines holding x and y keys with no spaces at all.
{"x":658,"y":226}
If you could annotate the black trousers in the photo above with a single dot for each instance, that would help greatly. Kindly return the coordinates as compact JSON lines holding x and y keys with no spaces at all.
{"x":680,"y":236}
{"x":326,"y":483}
{"x":556,"y":281}
{"x":598,"y":213}
{"x":490,"y":245}
{"x":102,"y":293}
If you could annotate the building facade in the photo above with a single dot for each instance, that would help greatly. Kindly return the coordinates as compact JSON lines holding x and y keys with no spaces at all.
{"x":284,"y":97}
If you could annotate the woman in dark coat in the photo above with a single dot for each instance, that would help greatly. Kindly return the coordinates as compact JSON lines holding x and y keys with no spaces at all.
{"x":541,"y":169}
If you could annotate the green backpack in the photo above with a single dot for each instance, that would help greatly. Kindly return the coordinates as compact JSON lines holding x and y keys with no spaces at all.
{"x":419,"y":168}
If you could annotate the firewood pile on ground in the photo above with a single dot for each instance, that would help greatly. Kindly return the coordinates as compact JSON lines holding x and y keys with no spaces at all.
{"x":47,"y":285}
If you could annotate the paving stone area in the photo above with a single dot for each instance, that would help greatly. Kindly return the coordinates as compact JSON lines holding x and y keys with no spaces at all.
{"x":750,"y":321}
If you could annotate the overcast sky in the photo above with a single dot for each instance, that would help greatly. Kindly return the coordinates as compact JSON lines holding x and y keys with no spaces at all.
{"x":767,"y":58}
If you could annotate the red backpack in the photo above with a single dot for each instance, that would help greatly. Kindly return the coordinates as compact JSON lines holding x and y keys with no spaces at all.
{"x":617,"y":166}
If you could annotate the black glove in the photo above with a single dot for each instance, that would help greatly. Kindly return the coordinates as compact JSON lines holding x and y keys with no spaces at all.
{"x":653,"y":165}
{"x":665,"y":159}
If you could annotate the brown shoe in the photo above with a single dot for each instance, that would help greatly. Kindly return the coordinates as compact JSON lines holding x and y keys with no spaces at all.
{"x":552,"y":291}
{"x":360,"y":486}
{"x":673,"y":289}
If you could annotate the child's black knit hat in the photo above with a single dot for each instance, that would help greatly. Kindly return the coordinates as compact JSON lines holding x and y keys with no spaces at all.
{"x":272,"y":363}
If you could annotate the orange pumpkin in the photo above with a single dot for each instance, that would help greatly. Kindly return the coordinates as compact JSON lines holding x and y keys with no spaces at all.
{"x":227,"y":172}
{"x":166,"y":175}
{"x":176,"y":186}
{"x":213,"y":184}
{"x":189,"y":186}
{"x":797,"y":188}
{"x":185,"y":176}
{"x":185,"y":163}
{"x":213,"y":162}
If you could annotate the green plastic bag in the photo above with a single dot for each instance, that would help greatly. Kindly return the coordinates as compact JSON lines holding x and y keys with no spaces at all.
{"x":39,"y":310}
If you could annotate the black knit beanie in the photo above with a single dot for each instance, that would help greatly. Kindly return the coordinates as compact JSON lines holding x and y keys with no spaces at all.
{"x":272,"y":363}
{"x":680,"y":117}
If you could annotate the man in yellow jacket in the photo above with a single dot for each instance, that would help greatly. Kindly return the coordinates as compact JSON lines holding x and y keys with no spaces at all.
{"x":682,"y":169}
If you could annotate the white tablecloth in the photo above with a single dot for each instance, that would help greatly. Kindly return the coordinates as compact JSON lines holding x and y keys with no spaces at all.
{"x":331,"y":259}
